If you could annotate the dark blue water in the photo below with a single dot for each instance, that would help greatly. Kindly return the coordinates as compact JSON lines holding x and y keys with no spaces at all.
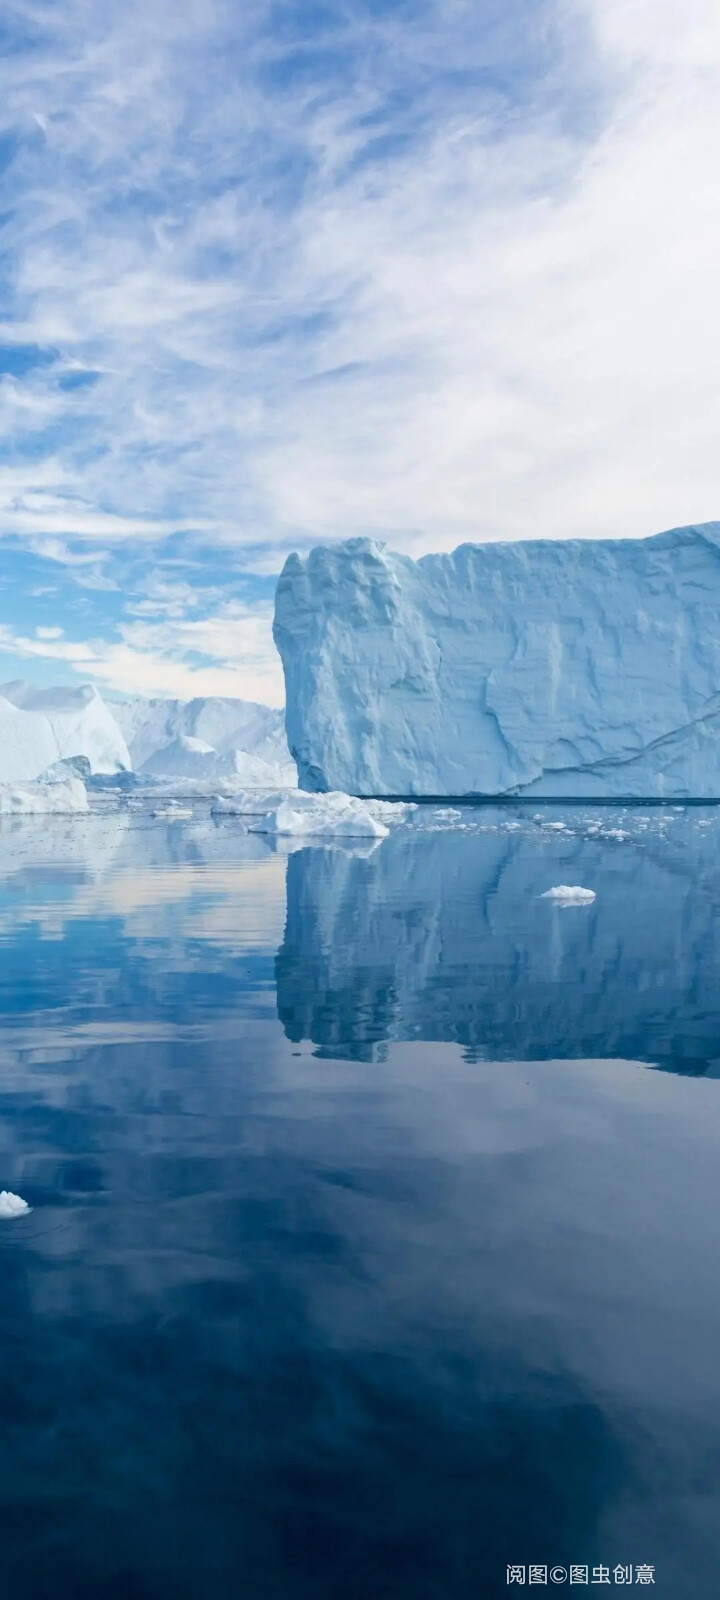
{"x":375,"y":1241}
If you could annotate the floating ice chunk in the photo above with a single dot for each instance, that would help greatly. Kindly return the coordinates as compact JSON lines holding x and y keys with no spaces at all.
{"x":559,"y":827}
{"x":172,"y":813}
{"x":569,"y":894}
{"x":11,"y":1205}
{"x":334,"y":815}
{"x":44,"y":795}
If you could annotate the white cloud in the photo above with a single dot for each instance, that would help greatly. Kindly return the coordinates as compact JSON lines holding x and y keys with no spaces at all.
{"x":150,"y":658}
{"x":533,"y":339}
{"x":466,"y":288}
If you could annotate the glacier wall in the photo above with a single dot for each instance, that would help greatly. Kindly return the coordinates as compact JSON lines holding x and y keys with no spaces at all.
{"x":548,"y":668}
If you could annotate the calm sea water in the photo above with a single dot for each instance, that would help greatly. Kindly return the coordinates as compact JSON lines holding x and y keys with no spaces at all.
{"x":375,"y":1239}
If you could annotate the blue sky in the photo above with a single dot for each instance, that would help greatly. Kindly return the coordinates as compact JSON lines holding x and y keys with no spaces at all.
{"x":272,"y":274}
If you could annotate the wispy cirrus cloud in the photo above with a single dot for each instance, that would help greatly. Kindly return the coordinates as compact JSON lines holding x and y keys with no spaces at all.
{"x":279,"y":273}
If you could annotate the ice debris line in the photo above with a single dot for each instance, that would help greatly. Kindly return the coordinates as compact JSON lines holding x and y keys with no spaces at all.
{"x":557,"y":668}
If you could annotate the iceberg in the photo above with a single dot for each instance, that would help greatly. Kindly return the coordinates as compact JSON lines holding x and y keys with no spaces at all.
{"x":333,"y":816}
{"x":39,"y":727}
{"x":550,"y":668}
{"x":209,"y":737}
{"x":45,"y":796}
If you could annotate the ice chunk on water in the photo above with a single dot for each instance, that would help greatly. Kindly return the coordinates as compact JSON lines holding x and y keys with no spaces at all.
{"x":569,"y":894}
{"x":334,"y":815}
{"x":31,"y":799}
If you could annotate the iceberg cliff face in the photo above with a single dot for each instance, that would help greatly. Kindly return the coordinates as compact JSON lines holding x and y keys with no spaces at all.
{"x":548,"y":668}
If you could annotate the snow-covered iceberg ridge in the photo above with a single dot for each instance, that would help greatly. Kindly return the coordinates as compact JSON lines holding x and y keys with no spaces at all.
{"x":558,"y":668}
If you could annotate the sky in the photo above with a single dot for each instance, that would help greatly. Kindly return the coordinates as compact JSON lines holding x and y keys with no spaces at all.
{"x":281,"y":272}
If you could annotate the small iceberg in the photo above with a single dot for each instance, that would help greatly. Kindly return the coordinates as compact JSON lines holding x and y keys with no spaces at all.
{"x":11,"y":1205}
{"x":333,"y":816}
{"x":569,"y":895}
{"x":42,"y":796}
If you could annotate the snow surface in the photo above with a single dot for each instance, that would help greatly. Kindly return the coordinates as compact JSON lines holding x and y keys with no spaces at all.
{"x":556,"y":668}
{"x":12,"y":1205}
{"x":569,"y":894}
{"x":328,"y":815}
{"x":41,"y":726}
{"x":44,"y":796}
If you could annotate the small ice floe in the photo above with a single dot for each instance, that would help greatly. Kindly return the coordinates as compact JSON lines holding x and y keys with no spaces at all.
{"x":569,"y":895}
{"x":559,"y":827}
{"x":11,"y":1205}
{"x":172,"y":813}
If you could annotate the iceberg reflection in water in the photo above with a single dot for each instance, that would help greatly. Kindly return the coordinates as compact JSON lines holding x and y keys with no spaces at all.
{"x":417,"y":1281}
{"x":450,"y":936}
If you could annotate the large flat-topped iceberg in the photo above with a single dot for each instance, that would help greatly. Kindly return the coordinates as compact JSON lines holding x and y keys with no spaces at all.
{"x":547,"y":668}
